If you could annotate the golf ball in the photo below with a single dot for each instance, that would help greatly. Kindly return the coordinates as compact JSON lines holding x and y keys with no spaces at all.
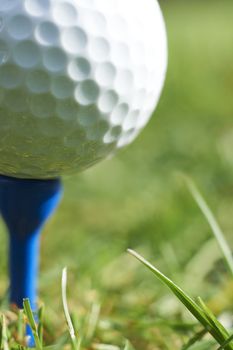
{"x":79,"y":79}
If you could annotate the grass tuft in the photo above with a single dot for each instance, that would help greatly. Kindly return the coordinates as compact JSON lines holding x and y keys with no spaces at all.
{"x":198,"y":310}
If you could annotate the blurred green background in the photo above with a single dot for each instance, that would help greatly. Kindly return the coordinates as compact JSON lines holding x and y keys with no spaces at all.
{"x":137,"y":199}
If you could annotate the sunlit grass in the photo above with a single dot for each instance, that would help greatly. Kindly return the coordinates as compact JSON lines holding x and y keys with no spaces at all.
{"x":82,"y":335}
{"x":198,"y":309}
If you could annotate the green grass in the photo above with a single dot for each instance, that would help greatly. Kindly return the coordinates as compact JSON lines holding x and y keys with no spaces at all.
{"x":198,"y":309}
{"x":136,"y":200}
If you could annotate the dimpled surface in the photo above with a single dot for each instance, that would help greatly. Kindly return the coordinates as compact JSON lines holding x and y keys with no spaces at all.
{"x":78,"y":80}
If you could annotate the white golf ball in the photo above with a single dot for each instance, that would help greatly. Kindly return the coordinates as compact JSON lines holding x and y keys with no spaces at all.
{"x":79,"y":79}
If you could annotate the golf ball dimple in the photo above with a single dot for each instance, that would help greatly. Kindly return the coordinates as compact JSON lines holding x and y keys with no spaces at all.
{"x":78,"y":80}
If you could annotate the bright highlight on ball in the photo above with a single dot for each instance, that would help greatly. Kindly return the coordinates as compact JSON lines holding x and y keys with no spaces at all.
{"x":79,"y":79}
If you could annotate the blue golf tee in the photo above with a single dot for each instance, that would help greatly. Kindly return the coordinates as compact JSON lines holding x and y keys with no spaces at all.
{"x":25,"y":206}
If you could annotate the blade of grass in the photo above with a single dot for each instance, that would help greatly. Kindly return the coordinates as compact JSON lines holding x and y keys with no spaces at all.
{"x":196,"y":338}
{"x":4,"y":339}
{"x":212,"y":319}
{"x":28,"y":311}
{"x":181,"y":295}
{"x":228,"y":341}
{"x":74,"y":342}
{"x":202,"y":204}
{"x":190,"y":304}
